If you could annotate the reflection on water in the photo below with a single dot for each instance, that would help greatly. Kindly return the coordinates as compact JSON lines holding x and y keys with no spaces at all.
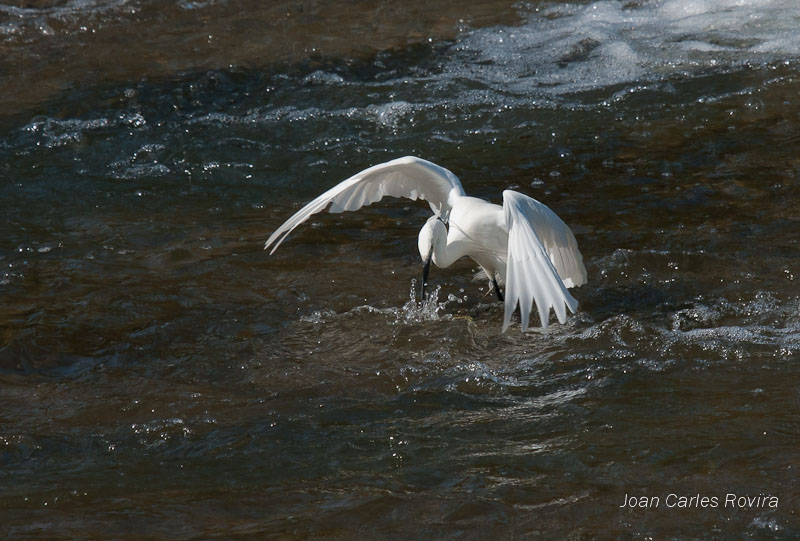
{"x":160,"y":373}
{"x":49,"y":46}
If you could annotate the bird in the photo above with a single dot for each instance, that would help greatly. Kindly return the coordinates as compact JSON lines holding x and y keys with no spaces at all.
{"x":522,"y":244}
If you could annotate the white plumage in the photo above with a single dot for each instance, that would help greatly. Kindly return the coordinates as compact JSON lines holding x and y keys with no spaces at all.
{"x":522,"y":244}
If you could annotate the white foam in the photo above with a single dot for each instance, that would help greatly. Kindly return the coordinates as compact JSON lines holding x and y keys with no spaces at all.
{"x":569,"y":48}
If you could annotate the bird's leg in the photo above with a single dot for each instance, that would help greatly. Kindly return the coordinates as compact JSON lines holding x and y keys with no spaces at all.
{"x":497,"y":290}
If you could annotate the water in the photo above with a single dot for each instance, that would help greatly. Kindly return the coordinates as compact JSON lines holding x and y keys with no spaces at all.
{"x":161,"y":375}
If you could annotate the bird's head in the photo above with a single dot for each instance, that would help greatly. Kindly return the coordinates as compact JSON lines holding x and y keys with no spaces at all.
{"x":432,"y":233}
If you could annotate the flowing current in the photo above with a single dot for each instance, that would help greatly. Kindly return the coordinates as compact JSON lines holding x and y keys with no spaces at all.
{"x":162,"y":376}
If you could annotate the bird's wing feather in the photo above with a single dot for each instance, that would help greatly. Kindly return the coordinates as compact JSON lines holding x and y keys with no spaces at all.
{"x":409,"y":177}
{"x":557,"y":239}
{"x":542,"y":257}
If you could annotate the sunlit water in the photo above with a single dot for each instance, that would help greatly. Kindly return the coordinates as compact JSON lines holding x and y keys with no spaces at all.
{"x":161,"y":375}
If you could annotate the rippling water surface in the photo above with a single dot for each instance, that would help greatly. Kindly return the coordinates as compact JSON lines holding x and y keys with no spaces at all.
{"x":161,"y":375}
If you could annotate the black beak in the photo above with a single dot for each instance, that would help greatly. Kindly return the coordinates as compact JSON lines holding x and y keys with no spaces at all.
{"x":426,"y":267}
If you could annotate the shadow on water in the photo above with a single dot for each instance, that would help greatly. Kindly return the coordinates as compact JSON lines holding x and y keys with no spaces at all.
{"x":640,"y":301}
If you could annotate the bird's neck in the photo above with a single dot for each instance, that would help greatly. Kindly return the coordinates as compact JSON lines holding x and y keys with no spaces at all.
{"x":444,"y":254}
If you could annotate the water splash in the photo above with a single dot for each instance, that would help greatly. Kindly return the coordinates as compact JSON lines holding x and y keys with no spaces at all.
{"x":428,"y":309}
{"x":318,"y":316}
{"x":413,"y":311}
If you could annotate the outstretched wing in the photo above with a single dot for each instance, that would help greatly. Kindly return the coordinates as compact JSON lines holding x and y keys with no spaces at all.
{"x":409,"y":177}
{"x":543,"y":261}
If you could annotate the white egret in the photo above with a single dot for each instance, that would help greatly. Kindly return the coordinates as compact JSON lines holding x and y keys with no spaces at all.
{"x":522,"y":244}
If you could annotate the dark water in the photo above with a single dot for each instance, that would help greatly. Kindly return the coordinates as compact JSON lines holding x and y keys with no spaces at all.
{"x":161,"y":375}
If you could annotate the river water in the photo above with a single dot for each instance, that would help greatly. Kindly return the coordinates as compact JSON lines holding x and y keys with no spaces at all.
{"x":163,"y":376}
